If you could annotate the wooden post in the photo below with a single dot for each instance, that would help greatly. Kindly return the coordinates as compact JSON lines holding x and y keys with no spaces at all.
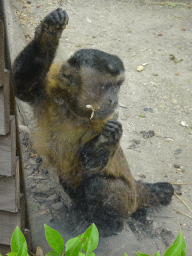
{"x":11,"y":210}
{"x":8,"y":150}
{"x":1,"y":50}
{"x":4,"y":88}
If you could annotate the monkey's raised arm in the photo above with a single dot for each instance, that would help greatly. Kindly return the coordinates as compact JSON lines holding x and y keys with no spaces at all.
{"x":31,"y":66}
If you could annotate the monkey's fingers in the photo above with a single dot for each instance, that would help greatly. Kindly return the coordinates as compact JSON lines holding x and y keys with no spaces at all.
{"x":112,"y":128}
{"x":109,"y":129}
{"x":115,"y":122}
{"x":115,"y":125}
{"x":57,"y":19}
{"x":65,"y":18}
{"x":114,"y":133}
{"x":60,"y":17}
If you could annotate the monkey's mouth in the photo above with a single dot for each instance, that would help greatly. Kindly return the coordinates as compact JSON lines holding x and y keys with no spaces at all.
{"x":98,"y":113}
{"x":101,"y":114}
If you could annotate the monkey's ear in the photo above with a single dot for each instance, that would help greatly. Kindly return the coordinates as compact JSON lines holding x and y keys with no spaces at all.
{"x":68,"y":75}
{"x":65,"y":77}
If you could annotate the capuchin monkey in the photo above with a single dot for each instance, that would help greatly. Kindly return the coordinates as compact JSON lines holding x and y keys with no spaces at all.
{"x":74,"y":103}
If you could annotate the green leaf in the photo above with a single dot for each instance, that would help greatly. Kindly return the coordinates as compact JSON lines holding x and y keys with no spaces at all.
{"x":157,"y":254}
{"x":125,"y":254}
{"x":90,"y":254}
{"x":81,"y":238}
{"x":54,"y":253}
{"x":73,"y":242}
{"x":23,"y":250}
{"x":11,"y":254}
{"x":54,"y":239}
{"x":93,"y":239}
{"x":81,"y":254}
{"x":73,"y":246}
{"x":183,"y":243}
{"x":174,"y":250}
{"x":17,"y":240}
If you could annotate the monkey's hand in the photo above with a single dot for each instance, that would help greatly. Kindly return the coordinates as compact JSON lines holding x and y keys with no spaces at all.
{"x":96,"y":153}
{"x":51,"y":28}
{"x":112,"y":131}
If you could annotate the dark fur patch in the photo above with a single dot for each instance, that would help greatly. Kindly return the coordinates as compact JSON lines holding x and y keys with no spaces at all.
{"x":99,"y":60}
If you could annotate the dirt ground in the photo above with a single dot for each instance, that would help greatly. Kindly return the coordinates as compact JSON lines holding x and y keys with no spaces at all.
{"x":157,"y":36}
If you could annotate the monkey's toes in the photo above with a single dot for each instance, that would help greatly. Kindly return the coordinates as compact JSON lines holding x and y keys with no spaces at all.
{"x":163,"y":190}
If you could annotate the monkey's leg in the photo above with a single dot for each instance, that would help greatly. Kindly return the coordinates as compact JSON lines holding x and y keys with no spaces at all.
{"x":105,"y":197}
{"x":31,"y":66}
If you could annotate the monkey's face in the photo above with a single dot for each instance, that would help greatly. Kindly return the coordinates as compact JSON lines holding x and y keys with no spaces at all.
{"x":90,"y":93}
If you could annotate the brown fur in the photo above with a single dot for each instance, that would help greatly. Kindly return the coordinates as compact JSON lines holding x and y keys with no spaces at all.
{"x":61,"y":133}
{"x":68,"y":135}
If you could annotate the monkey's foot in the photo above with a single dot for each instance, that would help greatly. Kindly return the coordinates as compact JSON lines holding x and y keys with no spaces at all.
{"x":160,"y":193}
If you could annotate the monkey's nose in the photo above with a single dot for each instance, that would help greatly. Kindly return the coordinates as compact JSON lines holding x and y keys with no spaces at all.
{"x":113,"y":102}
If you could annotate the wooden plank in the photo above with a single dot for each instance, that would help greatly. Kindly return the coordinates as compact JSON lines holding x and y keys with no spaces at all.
{"x":8,"y":150}
{"x":4,"y":103}
{"x":8,"y":222}
{"x":1,"y":52}
{"x":4,"y":88}
{"x":4,"y":249}
{"x":17,"y":185}
{"x":10,"y":191}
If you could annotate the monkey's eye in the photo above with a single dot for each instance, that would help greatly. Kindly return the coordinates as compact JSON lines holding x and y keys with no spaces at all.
{"x":119,"y":83}
{"x":117,"y":86}
{"x":69,"y":77}
{"x":106,"y":86}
